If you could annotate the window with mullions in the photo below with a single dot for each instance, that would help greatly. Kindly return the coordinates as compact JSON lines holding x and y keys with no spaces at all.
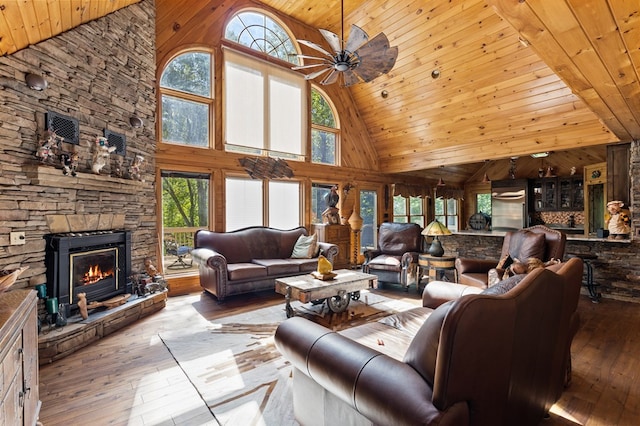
{"x":185,"y":209}
{"x":324,"y":130}
{"x":186,"y":92}
{"x":408,"y":210}
{"x":318,"y":204}
{"x":265,"y":108}
{"x":245,"y":203}
{"x":446,"y":212}
{"x":259,"y":32}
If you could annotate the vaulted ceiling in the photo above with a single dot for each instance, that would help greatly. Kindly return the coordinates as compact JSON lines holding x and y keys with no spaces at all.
{"x":516,"y":76}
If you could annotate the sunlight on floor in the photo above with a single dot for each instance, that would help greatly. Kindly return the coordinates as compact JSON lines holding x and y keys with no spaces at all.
{"x":558,"y":411}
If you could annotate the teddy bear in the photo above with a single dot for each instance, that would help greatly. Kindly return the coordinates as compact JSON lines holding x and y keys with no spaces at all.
{"x":135,"y":170}
{"x":101,"y":153}
{"x":48,"y":146}
{"x":618,"y":220}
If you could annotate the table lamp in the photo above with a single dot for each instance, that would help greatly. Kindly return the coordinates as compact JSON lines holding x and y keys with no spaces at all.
{"x":435,"y":229}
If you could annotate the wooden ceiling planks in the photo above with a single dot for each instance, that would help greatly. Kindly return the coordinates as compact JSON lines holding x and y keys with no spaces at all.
{"x":495,"y":96}
{"x":26,"y":22}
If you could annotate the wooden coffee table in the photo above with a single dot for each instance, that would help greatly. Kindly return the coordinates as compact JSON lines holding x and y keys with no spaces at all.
{"x":337,"y":292}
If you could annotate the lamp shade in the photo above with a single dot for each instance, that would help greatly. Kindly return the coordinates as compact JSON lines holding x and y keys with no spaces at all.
{"x":436,"y":228}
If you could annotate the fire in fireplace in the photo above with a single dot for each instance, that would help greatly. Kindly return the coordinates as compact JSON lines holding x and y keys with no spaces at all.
{"x":95,"y":263}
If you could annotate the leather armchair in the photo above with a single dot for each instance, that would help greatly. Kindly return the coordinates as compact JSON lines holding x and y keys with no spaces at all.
{"x":396,"y":258}
{"x":537,"y":241}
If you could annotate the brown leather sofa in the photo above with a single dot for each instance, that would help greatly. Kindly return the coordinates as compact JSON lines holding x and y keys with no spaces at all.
{"x":250,"y":259}
{"x":538,"y":242}
{"x":396,"y":258}
{"x":493,"y":358}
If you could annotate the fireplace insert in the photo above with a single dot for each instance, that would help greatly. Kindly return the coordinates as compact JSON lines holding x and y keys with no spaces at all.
{"x":96,"y":263}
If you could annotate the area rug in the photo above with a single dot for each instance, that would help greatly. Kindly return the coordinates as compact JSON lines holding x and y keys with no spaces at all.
{"x":235,"y":367}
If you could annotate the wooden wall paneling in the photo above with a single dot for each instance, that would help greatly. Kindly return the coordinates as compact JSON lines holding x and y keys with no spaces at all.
{"x":618,"y":179}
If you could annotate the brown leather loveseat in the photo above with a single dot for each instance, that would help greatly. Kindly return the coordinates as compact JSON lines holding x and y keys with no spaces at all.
{"x":493,"y":358}
{"x":251,"y":259}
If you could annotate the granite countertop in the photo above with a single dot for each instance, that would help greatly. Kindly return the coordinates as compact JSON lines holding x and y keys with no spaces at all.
{"x":570,"y":237}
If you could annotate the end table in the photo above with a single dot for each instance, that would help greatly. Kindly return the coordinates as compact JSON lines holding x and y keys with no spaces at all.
{"x":436,"y":267}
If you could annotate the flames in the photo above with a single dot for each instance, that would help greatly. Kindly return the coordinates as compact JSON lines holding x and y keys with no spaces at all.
{"x":95,"y":274}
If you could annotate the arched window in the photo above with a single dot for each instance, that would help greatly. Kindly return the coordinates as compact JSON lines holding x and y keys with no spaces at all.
{"x":262,"y":33}
{"x":186,"y":90}
{"x":324,"y":130}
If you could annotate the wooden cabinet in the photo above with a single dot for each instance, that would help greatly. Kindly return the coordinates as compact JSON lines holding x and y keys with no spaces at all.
{"x":339,"y":235}
{"x":595,"y":197}
{"x":558,"y":193}
{"x":19,"y":397}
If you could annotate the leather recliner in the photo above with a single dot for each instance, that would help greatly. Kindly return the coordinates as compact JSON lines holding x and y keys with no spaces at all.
{"x":396,"y":258}
{"x":538,"y":242}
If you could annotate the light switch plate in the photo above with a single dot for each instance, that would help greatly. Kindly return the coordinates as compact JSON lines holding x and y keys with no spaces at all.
{"x":17,"y":238}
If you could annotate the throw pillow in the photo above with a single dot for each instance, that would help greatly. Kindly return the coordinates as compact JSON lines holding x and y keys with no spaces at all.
{"x":423,"y":350}
{"x":504,"y":286}
{"x":306,"y":247}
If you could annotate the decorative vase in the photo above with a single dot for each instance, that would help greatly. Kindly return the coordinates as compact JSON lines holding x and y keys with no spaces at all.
{"x":355,"y":221}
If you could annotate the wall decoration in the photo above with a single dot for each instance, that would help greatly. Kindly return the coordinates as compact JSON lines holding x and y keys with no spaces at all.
{"x":266,"y":168}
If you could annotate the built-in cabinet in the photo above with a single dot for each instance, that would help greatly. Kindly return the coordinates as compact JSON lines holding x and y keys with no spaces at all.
{"x":558,"y":193}
{"x":339,"y":235}
{"x":19,"y":397}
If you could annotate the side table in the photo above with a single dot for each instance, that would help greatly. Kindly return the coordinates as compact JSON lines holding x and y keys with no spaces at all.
{"x":435,"y":266}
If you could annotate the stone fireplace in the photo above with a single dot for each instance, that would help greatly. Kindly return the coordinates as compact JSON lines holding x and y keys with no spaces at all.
{"x":97,"y":263}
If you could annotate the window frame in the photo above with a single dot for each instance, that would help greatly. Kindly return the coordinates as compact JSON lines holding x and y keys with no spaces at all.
{"x":189,"y":97}
{"x":335,"y":131}
{"x":269,"y":72}
{"x":265,"y":199}
{"x":444,"y":218}
{"x":407,"y":217}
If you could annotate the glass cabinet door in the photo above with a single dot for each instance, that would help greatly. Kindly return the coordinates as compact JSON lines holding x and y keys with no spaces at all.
{"x":549,"y":194}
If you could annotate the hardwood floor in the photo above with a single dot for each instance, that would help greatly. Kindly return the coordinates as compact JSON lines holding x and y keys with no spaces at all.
{"x":130,"y":378}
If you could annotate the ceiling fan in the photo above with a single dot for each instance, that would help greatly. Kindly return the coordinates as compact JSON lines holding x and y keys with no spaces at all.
{"x":357,"y":60}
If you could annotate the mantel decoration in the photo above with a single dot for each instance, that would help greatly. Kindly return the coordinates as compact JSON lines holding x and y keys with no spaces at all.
{"x":436,"y":229}
{"x":266,"y":168}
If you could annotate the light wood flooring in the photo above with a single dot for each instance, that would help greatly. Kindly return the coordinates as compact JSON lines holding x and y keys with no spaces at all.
{"x":130,"y":378}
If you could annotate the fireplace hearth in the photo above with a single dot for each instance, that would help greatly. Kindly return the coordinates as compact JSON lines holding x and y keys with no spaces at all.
{"x":97,"y":263}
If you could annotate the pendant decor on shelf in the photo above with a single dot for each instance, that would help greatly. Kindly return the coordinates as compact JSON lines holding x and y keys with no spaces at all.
{"x":356,"y":60}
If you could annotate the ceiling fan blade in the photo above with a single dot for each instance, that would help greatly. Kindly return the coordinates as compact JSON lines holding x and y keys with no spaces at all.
{"x":315,"y":46}
{"x":317,"y":73}
{"x":331,"y":78}
{"x":311,"y":57}
{"x":350,"y":78}
{"x":333,"y":40}
{"x":305,"y":67}
{"x":357,"y":37}
{"x":376,"y":58}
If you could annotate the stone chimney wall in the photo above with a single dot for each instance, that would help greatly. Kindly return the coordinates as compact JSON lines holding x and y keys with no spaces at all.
{"x":100,"y":73}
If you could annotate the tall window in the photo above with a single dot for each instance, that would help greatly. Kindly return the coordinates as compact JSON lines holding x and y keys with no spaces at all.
{"x":185,"y":209}
{"x":324,"y":130}
{"x":318,"y":205}
{"x":243,"y":203}
{"x":408,"y":210}
{"x":265,"y":107}
{"x":284,"y":205}
{"x":368,"y":212}
{"x":246,"y":206}
{"x":446,"y":211}
{"x":260,"y":32}
{"x":186,"y":91}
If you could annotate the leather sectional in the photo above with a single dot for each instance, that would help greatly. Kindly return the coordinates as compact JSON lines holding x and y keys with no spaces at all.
{"x":498,"y":356}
